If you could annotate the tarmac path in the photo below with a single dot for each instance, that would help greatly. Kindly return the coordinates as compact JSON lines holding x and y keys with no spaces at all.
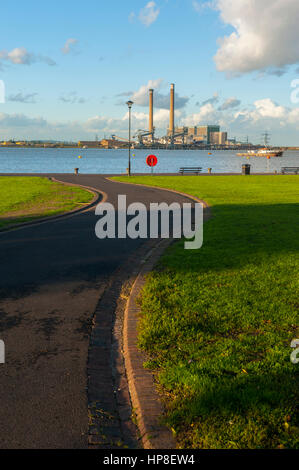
{"x":52,"y":276}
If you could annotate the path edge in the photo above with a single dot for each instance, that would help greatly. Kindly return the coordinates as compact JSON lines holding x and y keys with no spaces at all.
{"x":146,"y":402}
{"x":99,"y":196}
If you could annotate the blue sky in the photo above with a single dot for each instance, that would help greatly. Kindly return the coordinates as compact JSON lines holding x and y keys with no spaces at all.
{"x":69,"y":66}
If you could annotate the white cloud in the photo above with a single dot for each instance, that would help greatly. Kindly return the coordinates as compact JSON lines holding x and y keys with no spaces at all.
{"x":263,"y":114}
{"x":293,"y":117}
{"x":206,"y":115}
{"x":265,"y":36}
{"x":20,"y":56}
{"x":140,"y":97}
{"x":161,"y":101}
{"x":214,"y":99}
{"x":69,"y":46}
{"x":161,"y":119}
{"x":20,"y":120}
{"x":136,"y":116}
{"x":265,"y":109}
{"x":282,"y":122}
{"x":18,"y":125}
{"x":230,"y":103}
{"x":149,"y":14}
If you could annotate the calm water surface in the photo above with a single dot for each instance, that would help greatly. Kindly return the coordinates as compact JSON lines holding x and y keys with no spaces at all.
{"x":39,"y":160}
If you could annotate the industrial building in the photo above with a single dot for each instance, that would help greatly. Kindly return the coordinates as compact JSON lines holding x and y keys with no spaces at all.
{"x":206,"y":132}
{"x":218,"y":138}
{"x":104,"y":143}
{"x":89,"y":144}
{"x":208,"y":135}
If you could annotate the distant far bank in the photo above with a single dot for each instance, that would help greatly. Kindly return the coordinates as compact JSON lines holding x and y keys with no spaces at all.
{"x":124,"y":146}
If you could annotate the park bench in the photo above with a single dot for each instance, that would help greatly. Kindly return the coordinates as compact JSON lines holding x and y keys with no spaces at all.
{"x":290,"y":169}
{"x":190,"y":170}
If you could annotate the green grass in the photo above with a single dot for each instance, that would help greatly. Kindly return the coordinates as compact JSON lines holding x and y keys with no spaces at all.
{"x":217,"y":323}
{"x":23,"y":199}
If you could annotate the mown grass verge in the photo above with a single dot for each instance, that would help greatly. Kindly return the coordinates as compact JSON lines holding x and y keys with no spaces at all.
{"x":23,"y":199}
{"x":217,"y":323}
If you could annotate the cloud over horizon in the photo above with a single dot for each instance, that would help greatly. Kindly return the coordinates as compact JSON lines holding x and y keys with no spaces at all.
{"x":230,"y":103}
{"x":262,"y":114}
{"x":265,"y":36}
{"x":214,"y":99}
{"x":140,"y":97}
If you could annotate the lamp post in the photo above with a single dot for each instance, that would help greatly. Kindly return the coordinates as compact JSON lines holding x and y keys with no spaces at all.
{"x":130,"y":104}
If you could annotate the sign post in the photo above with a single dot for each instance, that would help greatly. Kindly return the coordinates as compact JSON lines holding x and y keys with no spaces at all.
{"x":151,"y":161}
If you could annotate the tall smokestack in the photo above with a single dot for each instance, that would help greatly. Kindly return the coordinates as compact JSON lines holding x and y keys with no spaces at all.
{"x":151,"y":111}
{"x":171,"y":114}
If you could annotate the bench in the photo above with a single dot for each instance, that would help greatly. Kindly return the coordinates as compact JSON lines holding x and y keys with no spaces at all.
{"x":290,"y":169}
{"x":190,"y":170}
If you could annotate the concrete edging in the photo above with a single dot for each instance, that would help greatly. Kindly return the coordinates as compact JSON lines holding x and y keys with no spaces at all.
{"x":145,"y":400}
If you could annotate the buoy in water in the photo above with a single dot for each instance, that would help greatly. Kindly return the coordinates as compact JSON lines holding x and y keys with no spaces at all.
{"x":80,"y":156}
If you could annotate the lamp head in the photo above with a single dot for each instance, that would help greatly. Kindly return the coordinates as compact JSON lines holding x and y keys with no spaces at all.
{"x":130,"y":104}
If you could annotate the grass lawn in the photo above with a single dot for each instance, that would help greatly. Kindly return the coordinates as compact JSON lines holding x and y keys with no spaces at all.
{"x":27,"y":198}
{"x":217,"y":323}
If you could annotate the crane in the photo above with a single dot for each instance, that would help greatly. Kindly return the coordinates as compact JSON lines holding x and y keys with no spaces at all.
{"x":179,"y":134}
{"x":115,"y":137}
{"x":122,"y":140}
{"x":141,"y":133}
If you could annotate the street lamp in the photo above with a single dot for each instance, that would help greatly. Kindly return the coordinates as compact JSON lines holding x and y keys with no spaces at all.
{"x":130,"y":104}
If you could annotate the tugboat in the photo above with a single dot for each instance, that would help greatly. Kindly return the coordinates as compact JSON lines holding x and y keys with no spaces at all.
{"x":264,"y":152}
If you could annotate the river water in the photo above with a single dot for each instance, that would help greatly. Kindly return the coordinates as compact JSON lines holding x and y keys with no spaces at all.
{"x":40,"y":160}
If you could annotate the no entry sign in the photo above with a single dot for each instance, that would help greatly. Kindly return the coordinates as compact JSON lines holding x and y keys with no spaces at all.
{"x":151,"y":160}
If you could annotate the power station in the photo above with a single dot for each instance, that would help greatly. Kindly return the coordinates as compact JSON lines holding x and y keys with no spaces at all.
{"x":209,"y":135}
{"x":172,"y":132}
{"x":195,"y":136}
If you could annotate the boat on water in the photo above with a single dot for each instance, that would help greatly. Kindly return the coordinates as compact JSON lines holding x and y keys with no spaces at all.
{"x":265,"y":152}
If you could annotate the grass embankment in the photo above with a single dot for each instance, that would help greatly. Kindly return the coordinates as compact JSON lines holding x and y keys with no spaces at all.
{"x":218,"y":322}
{"x":23,"y":199}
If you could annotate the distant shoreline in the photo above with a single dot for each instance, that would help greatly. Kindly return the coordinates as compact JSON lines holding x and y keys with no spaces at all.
{"x":179,"y":147}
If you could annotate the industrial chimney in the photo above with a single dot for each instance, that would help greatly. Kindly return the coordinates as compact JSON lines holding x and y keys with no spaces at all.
{"x":171,"y":115}
{"x":151,"y":112}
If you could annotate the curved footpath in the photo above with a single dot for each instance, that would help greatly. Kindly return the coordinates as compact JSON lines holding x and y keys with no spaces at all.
{"x":63,"y":295}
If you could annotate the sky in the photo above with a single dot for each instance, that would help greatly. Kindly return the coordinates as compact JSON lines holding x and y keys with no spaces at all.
{"x":67,"y":68}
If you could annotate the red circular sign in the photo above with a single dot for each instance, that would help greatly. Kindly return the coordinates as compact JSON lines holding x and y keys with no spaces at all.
{"x":151,"y":160}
